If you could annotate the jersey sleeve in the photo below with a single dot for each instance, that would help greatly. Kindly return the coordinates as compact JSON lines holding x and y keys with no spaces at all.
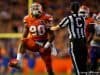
{"x":49,"y":17}
{"x":25,"y":19}
{"x":49,"y":20}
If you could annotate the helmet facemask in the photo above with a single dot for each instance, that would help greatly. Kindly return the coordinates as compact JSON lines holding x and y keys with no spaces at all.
{"x":98,"y":19}
{"x":36,"y":10}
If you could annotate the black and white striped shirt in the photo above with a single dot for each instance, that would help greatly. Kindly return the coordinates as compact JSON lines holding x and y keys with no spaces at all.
{"x":75,"y":24}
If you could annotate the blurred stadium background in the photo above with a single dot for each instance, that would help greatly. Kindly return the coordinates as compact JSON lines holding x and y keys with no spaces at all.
{"x":11,"y":15}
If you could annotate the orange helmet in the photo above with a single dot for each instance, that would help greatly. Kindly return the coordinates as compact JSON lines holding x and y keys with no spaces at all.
{"x":98,"y":18}
{"x":84,"y":11}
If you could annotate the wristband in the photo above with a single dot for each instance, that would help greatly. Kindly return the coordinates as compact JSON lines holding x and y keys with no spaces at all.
{"x":47,"y":44}
{"x":39,"y":43}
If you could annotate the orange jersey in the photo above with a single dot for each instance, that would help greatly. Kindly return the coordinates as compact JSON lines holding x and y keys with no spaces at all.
{"x":38,"y":26}
{"x":88,"y":23}
{"x":89,"y":20}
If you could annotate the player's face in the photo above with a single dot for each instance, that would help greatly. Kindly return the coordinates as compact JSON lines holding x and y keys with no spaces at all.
{"x":36,"y":9}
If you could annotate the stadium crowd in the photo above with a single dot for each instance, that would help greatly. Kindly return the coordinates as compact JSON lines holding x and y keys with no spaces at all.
{"x":11,"y":15}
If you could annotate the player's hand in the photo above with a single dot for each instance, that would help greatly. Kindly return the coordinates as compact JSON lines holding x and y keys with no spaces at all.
{"x":15,"y":64}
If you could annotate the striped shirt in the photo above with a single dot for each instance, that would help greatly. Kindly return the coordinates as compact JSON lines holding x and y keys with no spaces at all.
{"x":75,"y":24}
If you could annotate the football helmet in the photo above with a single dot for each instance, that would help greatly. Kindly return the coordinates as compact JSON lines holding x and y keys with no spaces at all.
{"x":36,"y":9}
{"x":98,"y":18}
{"x":84,"y":11}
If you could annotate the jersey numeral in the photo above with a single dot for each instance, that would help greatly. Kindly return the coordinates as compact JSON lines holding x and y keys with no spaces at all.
{"x":37,"y":30}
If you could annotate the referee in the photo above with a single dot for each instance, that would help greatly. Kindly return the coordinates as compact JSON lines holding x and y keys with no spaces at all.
{"x":76,"y":29}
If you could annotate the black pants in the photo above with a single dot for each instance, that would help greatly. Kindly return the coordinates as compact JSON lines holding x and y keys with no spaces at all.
{"x":79,"y":55}
{"x":94,"y":55}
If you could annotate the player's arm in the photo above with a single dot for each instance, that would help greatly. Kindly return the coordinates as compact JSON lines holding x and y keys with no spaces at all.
{"x":25,"y":31}
{"x":50,"y":33}
{"x":24,"y":35}
{"x":51,"y":37}
{"x":21,"y":50}
{"x":21,"y":47}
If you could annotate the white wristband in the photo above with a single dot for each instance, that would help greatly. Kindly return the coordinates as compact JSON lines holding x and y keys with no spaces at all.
{"x":47,"y":44}
{"x":19,"y":57}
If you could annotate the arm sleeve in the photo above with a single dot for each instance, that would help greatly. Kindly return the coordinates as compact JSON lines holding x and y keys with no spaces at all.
{"x":64,"y":22}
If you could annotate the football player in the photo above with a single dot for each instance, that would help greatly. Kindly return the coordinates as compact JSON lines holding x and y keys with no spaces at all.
{"x":95,"y":46}
{"x":37,"y":36}
{"x":89,"y":28}
{"x":85,"y":12}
